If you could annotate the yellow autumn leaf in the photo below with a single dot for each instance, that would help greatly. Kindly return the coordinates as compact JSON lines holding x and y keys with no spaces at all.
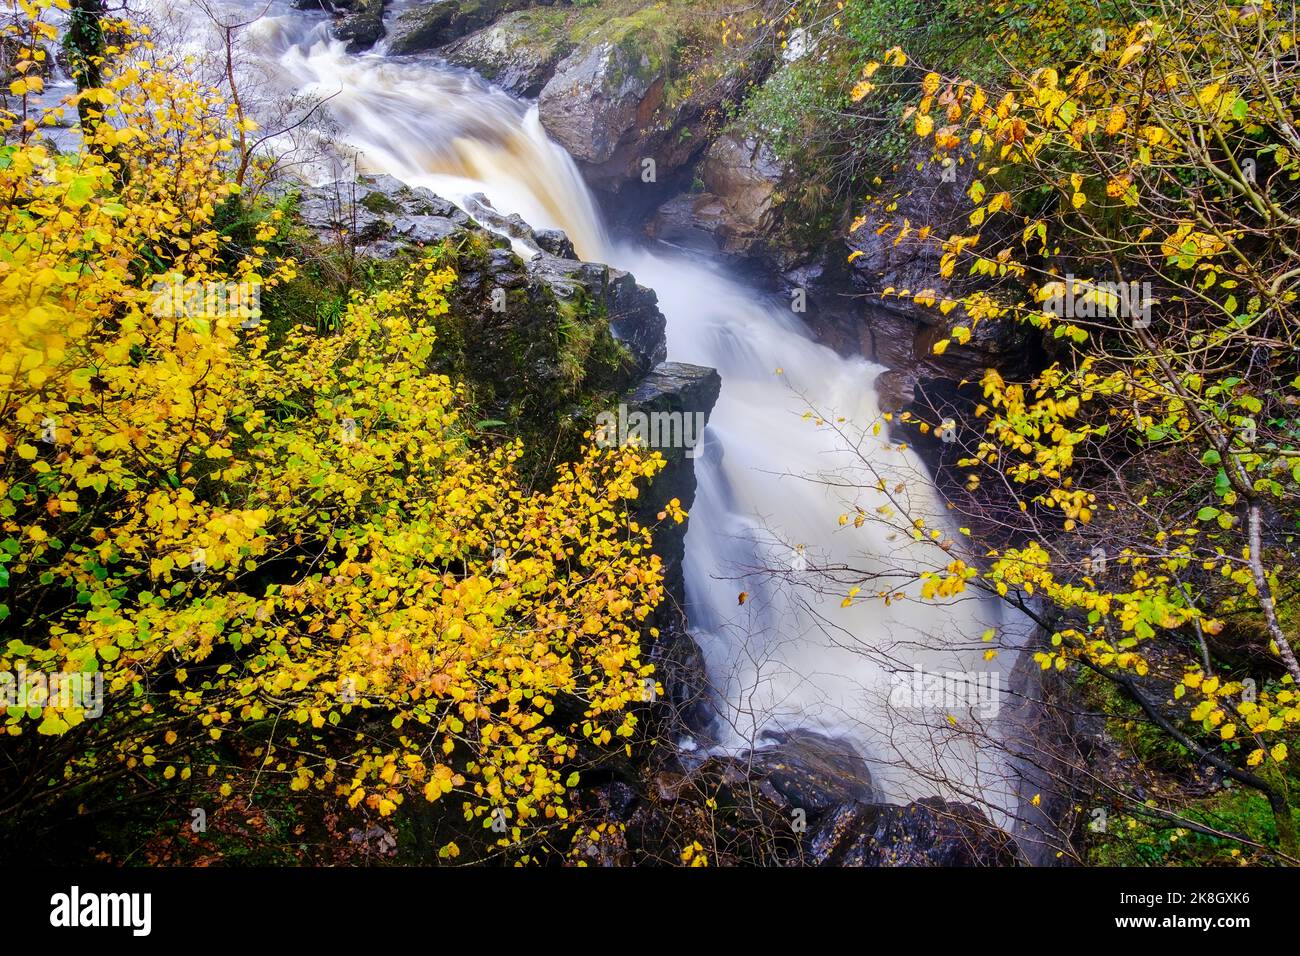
{"x":1131,"y":52}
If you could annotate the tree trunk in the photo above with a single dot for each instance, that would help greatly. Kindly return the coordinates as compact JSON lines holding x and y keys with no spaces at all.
{"x":84,"y":43}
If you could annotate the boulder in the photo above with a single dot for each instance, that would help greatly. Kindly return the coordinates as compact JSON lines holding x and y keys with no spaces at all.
{"x":359,"y":23}
{"x":805,"y":770}
{"x":740,"y":213}
{"x":630,"y":92}
{"x":428,"y":26}
{"x":596,"y":97}
{"x":555,"y":242}
{"x":688,"y":394}
{"x":929,"y":832}
{"x":519,"y":52}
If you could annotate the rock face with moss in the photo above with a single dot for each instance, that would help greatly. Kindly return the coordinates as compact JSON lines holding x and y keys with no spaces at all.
{"x":542,"y":344}
{"x":431,"y":25}
{"x":739,"y":213}
{"x":677,"y":392}
{"x":519,"y":52}
{"x":634,"y":100}
{"x":681,"y":392}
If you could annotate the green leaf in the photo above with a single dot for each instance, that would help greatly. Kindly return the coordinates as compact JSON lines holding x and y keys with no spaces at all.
{"x":1206,"y":513}
{"x":82,"y":188}
{"x":52,"y":726}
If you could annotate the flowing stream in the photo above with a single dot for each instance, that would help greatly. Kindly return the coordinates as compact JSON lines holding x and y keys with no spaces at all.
{"x":772,"y":483}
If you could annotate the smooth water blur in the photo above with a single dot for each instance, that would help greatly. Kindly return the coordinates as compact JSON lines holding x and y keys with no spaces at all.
{"x":772,"y":483}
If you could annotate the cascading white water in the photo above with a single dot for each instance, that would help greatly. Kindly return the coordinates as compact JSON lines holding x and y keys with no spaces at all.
{"x":772,"y":484}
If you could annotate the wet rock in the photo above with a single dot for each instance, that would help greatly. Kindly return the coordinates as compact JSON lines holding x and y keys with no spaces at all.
{"x":519,"y":52}
{"x":690,"y":221}
{"x":594,"y":99}
{"x":680,"y":397}
{"x":631,"y":310}
{"x":740,"y":213}
{"x":359,"y":23}
{"x":632,"y":107}
{"x":680,"y":668}
{"x":799,"y":770}
{"x":912,"y":263}
{"x":762,"y":804}
{"x":930,"y":832}
{"x":902,"y":332}
{"x":512,"y":225}
{"x":895,"y":390}
{"x":379,"y":209}
{"x":554,"y":242}
{"x":431,"y":25}
{"x":808,"y":771}
{"x":424,"y":229}
{"x":745,"y":175}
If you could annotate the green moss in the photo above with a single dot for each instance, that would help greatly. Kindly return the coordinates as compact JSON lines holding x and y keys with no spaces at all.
{"x":1147,"y":760}
{"x":805,"y":112}
{"x":1143,"y":840}
{"x":379,"y":204}
{"x":589,"y":357}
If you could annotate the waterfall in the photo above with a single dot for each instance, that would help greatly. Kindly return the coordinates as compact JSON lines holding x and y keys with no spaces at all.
{"x":773,"y":482}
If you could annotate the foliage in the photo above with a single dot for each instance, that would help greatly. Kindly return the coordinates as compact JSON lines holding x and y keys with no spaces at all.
{"x":809,"y":109}
{"x":1137,"y":204}
{"x":299,"y":543}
